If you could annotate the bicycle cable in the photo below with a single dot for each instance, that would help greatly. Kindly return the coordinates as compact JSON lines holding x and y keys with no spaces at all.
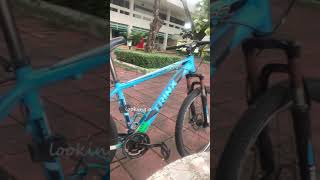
{"x":201,"y":61}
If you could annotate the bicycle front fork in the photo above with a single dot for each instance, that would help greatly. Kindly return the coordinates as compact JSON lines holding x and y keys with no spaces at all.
{"x":258,"y":81}
{"x":191,"y":86}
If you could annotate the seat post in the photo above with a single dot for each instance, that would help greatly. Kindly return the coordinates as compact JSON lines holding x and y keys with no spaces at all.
{"x":113,"y":71}
{"x":11,"y":35}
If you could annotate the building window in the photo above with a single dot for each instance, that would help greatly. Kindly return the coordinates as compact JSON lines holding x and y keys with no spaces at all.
{"x":162,"y":16}
{"x":122,"y":3}
{"x":176,"y":21}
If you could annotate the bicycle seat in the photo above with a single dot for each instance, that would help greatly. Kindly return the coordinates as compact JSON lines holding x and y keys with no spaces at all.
{"x":114,"y":43}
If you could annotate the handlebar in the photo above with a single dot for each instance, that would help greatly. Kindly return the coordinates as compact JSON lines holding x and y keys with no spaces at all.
{"x":190,"y":47}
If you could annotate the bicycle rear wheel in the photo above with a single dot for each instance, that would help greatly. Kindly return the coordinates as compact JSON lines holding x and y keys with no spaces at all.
{"x":190,"y":136}
{"x":243,"y":160}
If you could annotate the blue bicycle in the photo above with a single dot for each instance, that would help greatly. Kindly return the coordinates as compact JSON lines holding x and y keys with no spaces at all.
{"x":262,"y":145}
{"x":25,"y":92}
{"x":192,"y":132}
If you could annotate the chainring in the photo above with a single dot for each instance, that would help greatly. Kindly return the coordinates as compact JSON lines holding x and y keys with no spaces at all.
{"x":133,"y":146}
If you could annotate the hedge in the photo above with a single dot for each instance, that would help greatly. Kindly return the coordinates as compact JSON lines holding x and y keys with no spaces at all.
{"x":145,"y":60}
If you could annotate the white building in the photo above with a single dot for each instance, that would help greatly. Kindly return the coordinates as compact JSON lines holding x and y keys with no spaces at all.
{"x":136,"y":15}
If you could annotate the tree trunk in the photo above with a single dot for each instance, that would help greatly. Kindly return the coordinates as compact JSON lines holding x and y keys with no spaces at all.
{"x":155,"y":26}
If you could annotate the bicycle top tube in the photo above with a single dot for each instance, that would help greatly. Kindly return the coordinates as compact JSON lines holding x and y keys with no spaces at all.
{"x":247,"y":18}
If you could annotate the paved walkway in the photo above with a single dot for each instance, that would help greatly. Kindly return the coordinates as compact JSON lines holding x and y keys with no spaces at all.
{"x":192,"y":167}
{"x":229,"y":83}
{"x":161,"y":131}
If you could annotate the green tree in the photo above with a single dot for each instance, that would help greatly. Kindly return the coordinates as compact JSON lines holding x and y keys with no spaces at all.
{"x":200,"y":23}
{"x":201,"y":19}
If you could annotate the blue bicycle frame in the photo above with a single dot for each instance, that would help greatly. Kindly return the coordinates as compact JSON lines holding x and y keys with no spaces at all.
{"x":182,"y":68}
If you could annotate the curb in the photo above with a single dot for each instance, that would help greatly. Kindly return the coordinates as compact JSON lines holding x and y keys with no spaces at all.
{"x":66,"y":16}
{"x":132,"y":67}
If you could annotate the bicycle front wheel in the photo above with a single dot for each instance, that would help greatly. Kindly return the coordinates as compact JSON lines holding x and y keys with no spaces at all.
{"x":190,"y":135}
{"x":262,"y":145}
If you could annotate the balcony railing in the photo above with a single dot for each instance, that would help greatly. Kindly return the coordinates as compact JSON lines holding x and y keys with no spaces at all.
{"x":141,"y":16}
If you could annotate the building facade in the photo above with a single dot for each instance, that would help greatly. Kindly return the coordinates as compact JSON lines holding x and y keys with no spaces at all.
{"x":136,"y":15}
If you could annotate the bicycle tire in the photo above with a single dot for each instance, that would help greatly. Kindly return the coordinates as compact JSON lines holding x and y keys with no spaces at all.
{"x":251,"y":124}
{"x":180,"y":119}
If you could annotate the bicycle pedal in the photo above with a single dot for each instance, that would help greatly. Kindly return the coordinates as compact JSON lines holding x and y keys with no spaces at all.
{"x":165,"y":151}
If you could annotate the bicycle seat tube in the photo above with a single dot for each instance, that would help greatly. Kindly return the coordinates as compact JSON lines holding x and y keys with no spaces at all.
{"x":13,"y":40}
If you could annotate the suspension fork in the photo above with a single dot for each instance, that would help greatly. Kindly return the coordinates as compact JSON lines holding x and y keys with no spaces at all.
{"x":301,"y":114}
{"x":301,"y":106}
{"x":263,"y":142}
{"x":191,"y":86}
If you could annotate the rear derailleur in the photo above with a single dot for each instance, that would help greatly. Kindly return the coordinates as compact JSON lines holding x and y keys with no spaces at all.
{"x":137,"y":144}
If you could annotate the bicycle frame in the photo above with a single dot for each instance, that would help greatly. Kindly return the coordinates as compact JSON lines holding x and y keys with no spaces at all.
{"x":182,"y":68}
{"x":239,"y":26}
{"x":29,"y":81}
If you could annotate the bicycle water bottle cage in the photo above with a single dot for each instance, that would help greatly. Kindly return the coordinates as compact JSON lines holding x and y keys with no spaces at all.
{"x":223,"y":9}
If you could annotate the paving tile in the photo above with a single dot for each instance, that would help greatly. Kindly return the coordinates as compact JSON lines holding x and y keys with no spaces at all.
{"x":138,"y":168}
{"x":165,"y":124}
{"x":120,"y":174}
{"x":25,"y":169}
{"x":156,"y":135}
{"x":14,"y":139}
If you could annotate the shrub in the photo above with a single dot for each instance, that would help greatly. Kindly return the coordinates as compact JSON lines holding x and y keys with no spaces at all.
{"x":145,"y":60}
